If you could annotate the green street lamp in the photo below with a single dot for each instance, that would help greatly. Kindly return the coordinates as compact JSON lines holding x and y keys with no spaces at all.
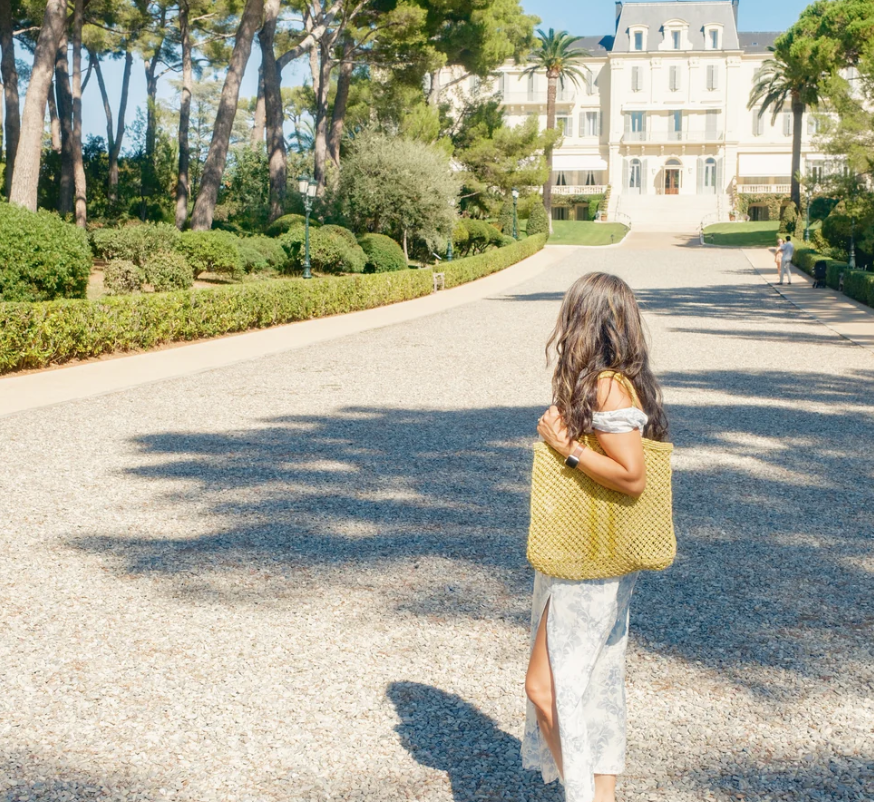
{"x":810,"y":192}
{"x":851,"y":258}
{"x":515,"y":194}
{"x":307,"y":187}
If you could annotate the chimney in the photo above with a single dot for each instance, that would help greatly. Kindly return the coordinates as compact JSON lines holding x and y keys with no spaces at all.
{"x":734,"y":5}
{"x":619,"y":11}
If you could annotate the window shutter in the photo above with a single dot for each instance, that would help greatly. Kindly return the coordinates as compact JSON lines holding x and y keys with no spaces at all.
{"x":675,"y":78}
{"x":625,"y":173}
{"x":787,"y":123}
{"x":569,"y":125}
{"x":590,"y":83}
{"x":811,"y":124}
{"x":644,"y":176}
{"x":710,"y":77}
{"x":642,"y":122}
{"x":701,"y":168}
{"x":531,"y":86}
{"x":719,"y":184}
{"x":600,"y":118}
{"x":627,"y":123}
{"x":635,"y":79}
{"x":582,"y":123}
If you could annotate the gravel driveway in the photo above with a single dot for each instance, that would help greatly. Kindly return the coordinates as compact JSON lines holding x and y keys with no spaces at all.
{"x":303,"y":577}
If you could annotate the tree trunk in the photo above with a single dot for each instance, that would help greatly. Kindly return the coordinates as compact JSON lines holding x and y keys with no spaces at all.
{"x":183,"y":179}
{"x":79,"y":181}
{"x":218,"y":148}
{"x":797,"y":116}
{"x":276,"y":153}
{"x":320,"y":149}
{"x":114,"y":138}
{"x":65,"y":117}
{"x":260,"y":108}
{"x":149,"y":178}
{"x":54,"y":122}
{"x":550,"y":126}
{"x":341,"y":101}
{"x":314,"y":70}
{"x":9,"y":78}
{"x":26,"y":176}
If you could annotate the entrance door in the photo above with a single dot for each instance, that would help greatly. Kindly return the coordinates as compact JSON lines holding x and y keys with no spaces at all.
{"x":672,"y":181}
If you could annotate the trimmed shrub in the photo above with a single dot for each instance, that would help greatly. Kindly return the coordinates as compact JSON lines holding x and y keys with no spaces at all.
{"x":269,"y":248}
{"x":122,"y":277}
{"x":287,"y":222}
{"x":211,"y":252}
{"x":804,"y":258}
{"x":460,"y":237}
{"x":252,"y":259}
{"x":345,"y":233}
{"x":329,"y":252}
{"x":836,"y":230}
{"x":168,"y":271}
{"x":41,"y":256}
{"x":859,"y":285}
{"x":37,"y":335}
{"x":383,"y":254}
{"x":820,"y":208}
{"x":506,"y":240}
{"x":135,"y":243}
{"x":461,"y":271}
{"x":479,"y":235}
{"x":505,"y":218}
{"x":538,"y":222}
{"x":788,"y":216}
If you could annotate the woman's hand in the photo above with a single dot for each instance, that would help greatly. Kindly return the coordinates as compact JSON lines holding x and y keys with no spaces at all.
{"x":551,"y":428}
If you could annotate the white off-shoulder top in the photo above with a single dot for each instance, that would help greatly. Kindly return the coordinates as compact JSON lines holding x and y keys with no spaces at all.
{"x":619,"y":421}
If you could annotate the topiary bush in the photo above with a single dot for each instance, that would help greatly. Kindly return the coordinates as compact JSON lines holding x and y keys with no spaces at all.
{"x":788,"y":216}
{"x":329,"y":252}
{"x":135,"y":243}
{"x":41,"y":256}
{"x":538,"y":222}
{"x":287,"y":222}
{"x":479,"y":235}
{"x":122,"y":277}
{"x":345,"y":233}
{"x":383,"y":254}
{"x":270,"y":248}
{"x":211,"y":252}
{"x":505,"y":218}
{"x":460,"y":237}
{"x":252,"y":259}
{"x":168,"y":271}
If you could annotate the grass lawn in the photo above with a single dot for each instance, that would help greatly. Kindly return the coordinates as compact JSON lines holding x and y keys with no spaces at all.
{"x":746,"y":235}
{"x":571,"y":232}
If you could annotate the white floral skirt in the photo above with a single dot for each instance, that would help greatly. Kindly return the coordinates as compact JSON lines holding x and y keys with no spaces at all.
{"x":586,"y":633}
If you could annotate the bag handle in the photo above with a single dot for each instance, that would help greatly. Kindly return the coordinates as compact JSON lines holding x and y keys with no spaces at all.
{"x":624,"y":381}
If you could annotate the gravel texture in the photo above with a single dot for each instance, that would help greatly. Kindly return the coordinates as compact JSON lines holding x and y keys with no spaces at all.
{"x":303,"y":577}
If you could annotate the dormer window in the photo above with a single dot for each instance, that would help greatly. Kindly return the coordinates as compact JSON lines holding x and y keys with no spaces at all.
{"x":637,"y":38}
{"x":675,"y":35}
{"x":675,"y":40}
{"x":712,"y":37}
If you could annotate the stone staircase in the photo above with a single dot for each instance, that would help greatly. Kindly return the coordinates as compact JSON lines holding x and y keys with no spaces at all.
{"x":676,"y":214}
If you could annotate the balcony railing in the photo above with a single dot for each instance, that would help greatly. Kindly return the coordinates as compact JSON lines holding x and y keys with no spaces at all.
{"x":764,"y":189}
{"x":672,"y":136}
{"x":590,"y":189}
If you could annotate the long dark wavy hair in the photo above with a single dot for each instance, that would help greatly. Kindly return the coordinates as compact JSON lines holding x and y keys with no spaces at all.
{"x":600,"y":328}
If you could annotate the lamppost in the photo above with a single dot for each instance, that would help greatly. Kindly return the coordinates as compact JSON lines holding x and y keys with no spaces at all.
{"x":851,"y":258}
{"x":515,"y":194}
{"x":307,"y":188}
{"x":810,"y":191}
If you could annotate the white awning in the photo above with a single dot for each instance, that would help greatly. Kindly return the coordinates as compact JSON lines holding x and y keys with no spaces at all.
{"x":776,"y":165}
{"x":569,"y":161}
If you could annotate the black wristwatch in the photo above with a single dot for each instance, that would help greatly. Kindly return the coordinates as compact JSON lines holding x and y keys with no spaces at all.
{"x":573,"y":458}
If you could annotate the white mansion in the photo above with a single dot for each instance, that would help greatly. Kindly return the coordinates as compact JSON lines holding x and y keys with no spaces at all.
{"x":664,"y":113}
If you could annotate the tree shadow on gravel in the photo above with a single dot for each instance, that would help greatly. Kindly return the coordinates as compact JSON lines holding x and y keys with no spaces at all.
{"x":443,"y":731}
{"x":773,"y":503}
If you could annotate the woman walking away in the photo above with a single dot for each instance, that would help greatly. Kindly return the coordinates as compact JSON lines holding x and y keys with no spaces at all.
{"x":575,"y":726}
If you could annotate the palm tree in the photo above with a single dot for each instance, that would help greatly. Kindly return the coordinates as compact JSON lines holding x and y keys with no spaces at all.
{"x":781,"y":82}
{"x":561,"y":61}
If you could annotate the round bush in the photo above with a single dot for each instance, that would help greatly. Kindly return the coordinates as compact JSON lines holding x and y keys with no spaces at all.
{"x":345,"y":233}
{"x":168,"y":271}
{"x":460,"y":236}
{"x":252,"y":259}
{"x":479,"y":235}
{"x":836,"y":229}
{"x":135,"y":243}
{"x":383,"y":254}
{"x":211,"y":252}
{"x":329,"y":252}
{"x":538,"y":222}
{"x":269,"y":248}
{"x":122,"y":277}
{"x":41,"y":256}
{"x":285,"y":223}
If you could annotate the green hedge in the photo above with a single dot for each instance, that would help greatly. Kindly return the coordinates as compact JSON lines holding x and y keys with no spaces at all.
{"x":858,"y":284}
{"x":471,"y":268}
{"x":34,"y":335}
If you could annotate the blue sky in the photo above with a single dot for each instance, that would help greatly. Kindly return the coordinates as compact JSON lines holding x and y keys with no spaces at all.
{"x":577,"y":16}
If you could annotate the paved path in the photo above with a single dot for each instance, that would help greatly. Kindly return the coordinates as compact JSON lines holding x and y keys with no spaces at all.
{"x":302,"y":577}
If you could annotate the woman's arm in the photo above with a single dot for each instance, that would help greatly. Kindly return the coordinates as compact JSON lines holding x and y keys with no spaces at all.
{"x":622,"y":466}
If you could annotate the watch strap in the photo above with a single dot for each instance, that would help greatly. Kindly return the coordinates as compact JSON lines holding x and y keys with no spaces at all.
{"x":573,"y":458}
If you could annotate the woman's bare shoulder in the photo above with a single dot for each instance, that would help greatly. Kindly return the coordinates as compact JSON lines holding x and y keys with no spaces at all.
{"x":612,"y":395}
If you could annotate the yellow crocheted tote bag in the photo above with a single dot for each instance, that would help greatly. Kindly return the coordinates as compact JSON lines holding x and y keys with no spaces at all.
{"x":583,"y":530}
